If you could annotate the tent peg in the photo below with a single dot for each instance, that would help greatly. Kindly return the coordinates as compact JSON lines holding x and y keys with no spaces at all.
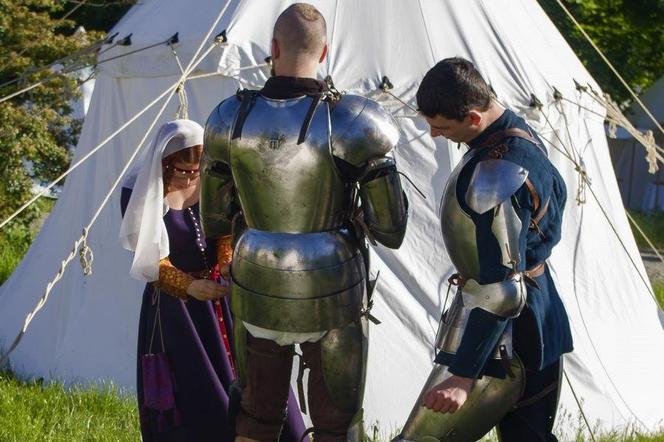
{"x":221,"y":37}
{"x":126,"y":41}
{"x":557,"y":95}
{"x":579,"y":87}
{"x":534,"y":102}
{"x":386,"y":84}
{"x":110,"y":38}
{"x":174,"y":39}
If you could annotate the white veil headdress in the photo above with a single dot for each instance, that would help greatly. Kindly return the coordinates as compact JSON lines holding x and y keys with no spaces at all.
{"x":143,"y":230}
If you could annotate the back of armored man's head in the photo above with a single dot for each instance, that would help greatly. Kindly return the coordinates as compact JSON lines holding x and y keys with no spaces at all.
{"x":301,"y":31}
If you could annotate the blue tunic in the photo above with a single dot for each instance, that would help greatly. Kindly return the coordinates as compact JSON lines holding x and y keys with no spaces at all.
{"x":541,"y":332}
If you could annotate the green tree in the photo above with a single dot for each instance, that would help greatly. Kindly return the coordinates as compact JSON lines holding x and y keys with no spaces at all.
{"x":37,"y":129}
{"x":629,"y":32}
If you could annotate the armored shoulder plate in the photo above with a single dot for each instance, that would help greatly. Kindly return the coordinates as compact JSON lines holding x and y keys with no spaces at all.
{"x":218,"y":129}
{"x":361,"y":130}
{"x":493,"y":182}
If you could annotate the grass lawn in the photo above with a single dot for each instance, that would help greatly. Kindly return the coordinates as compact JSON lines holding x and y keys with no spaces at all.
{"x":34,"y":412}
{"x":13,"y":245}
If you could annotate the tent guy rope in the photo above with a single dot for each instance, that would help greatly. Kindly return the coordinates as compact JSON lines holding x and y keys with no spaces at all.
{"x":78,"y":67}
{"x":613,"y":69}
{"x":195,"y":60}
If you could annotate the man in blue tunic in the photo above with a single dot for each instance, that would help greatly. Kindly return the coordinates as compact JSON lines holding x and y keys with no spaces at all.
{"x":503,"y":336}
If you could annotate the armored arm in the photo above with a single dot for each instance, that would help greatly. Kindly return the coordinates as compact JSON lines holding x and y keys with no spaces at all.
{"x":363,"y":135}
{"x":499,"y":293}
{"x":384,"y":204}
{"x":217,"y":189}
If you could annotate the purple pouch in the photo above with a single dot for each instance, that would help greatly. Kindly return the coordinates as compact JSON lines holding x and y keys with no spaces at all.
{"x":158,"y":391}
{"x":158,"y":382}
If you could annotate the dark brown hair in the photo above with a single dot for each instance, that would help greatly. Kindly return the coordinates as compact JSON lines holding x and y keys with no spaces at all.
{"x":191,"y":155}
{"x":452,"y":88}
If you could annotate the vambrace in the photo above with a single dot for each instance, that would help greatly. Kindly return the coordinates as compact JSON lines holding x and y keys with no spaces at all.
{"x":216,"y":197}
{"x":505,"y":299}
{"x":384,"y":204}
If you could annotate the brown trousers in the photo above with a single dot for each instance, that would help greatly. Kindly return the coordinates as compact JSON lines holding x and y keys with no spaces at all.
{"x":265,"y":395}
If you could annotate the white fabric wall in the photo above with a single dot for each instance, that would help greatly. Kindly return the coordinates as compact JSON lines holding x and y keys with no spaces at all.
{"x":87,"y":331}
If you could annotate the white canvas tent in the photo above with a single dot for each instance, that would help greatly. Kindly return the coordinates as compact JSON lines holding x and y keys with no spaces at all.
{"x":87,"y":330}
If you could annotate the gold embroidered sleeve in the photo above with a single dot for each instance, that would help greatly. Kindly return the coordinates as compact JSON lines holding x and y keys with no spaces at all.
{"x":224,"y":250}
{"x":173,"y":280}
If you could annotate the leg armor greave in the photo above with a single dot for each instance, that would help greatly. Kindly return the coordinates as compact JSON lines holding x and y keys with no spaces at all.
{"x":343,"y":356}
{"x":489,"y":400}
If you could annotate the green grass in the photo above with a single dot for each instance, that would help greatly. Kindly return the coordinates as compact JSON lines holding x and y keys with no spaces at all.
{"x":30,"y":411}
{"x":16,"y":239}
{"x":13,"y":245}
{"x":658,"y":288}
{"x":652,"y":225}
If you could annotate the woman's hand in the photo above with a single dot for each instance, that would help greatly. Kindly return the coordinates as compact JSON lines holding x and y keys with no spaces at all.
{"x":206,"y":290}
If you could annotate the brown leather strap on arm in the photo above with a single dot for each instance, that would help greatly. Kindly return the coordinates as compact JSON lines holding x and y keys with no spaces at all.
{"x":539,"y":210}
{"x":173,"y":280}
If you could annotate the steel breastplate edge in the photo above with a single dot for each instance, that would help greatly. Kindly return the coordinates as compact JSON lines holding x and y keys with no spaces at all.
{"x":458,"y":228}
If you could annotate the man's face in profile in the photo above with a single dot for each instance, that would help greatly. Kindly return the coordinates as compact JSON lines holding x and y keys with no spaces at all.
{"x":452,"y":129}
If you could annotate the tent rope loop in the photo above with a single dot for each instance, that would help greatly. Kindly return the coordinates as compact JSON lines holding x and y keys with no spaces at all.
{"x":615,"y":115}
{"x":651,"y":152}
{"x":583,"y":181}
{"x":183,"y":108}
{"x":86,"y":257}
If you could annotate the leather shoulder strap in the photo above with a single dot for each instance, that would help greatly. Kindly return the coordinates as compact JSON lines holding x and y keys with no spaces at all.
{"x":495,"y":139}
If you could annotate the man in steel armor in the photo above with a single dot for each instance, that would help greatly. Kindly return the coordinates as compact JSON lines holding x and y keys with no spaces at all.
{"x":310,"y":172}
{"x":501,"y":341}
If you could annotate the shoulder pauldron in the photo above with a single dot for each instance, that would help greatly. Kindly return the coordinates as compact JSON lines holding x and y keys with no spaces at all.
{"x":493,"y":182}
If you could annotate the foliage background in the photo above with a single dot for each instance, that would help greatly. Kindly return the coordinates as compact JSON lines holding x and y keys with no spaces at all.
{"x":629,"y":32}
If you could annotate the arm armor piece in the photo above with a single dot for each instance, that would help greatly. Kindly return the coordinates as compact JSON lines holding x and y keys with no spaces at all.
{"x":384,"y":204}
{"x":505,"y":299}
{"x":216,"y":178}
{"x":361,"y":130}
{"x":216,"y":197}
{"x":491,"y":187}
{"x":493,"y":182}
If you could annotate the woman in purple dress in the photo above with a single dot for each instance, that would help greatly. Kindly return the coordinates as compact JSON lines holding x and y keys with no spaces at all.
{"x":185,"y":365}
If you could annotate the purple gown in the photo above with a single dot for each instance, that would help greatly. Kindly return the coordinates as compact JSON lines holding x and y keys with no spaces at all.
{"x":202,"y":373}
